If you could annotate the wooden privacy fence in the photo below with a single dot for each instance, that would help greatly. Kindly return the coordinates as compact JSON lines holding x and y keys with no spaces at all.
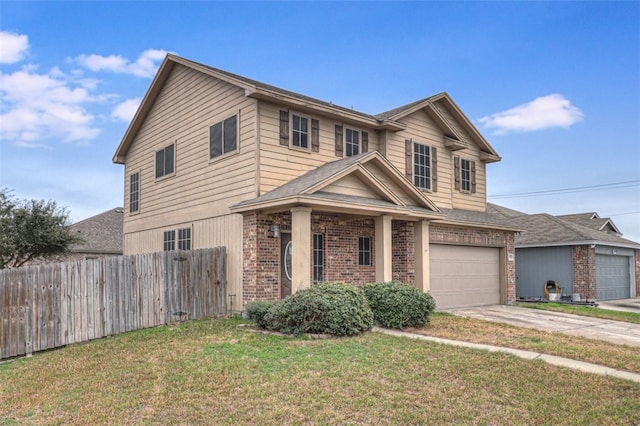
{"x":56,"y":304}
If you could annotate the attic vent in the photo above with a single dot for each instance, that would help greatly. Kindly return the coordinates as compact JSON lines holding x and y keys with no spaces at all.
{"x":119,"y":210}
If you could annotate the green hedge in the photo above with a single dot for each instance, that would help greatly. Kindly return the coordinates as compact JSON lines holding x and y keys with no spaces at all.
{"x":256,"y":311}
{"x":338,"y":309}
{"x":399,"y":305}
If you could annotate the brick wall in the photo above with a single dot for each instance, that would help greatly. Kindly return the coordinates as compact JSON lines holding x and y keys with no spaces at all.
{"x":261,"y":253}
{"x":584,"y":271}
{"x":261,"y":260}
{"x":341,"y":248}
{"x":403,"y":251}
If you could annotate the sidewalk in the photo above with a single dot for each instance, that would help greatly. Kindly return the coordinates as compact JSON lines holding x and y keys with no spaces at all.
{"x":550,"y":359}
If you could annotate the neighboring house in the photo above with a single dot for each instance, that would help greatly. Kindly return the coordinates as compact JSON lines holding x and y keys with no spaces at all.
{"x":301,"y":190}
{"x":101,"y":236}
{"x":583,"y":253}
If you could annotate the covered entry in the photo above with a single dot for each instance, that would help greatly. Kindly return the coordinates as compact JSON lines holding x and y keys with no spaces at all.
{"x":613,"y":280}
{"x":464,"y":275}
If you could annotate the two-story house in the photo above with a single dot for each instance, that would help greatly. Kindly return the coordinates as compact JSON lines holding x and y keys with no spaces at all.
{"x":301,"y":190}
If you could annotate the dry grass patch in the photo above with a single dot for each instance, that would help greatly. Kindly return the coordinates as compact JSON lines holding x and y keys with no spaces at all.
{"x":213,"y":372}
{"x":473,"y":330}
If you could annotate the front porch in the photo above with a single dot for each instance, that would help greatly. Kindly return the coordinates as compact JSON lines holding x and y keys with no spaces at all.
{"x":327,"y":246}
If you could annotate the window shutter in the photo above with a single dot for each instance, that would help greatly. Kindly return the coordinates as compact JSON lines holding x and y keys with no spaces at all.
{"x":339,"y":144}
{"x":365,"y":142}
{"x":315,"y":135}
{"x":434,"y":169}
{"x":408,"y":152}
{"x":473,"y":176}
{"x":456,"y":172}
{"x":284,"y":128}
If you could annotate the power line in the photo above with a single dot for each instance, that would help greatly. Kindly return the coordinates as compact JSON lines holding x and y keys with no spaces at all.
{"x":615,"y":185}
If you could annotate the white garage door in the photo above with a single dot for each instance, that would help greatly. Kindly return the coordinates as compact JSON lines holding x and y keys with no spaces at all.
{"x":464,"y":276}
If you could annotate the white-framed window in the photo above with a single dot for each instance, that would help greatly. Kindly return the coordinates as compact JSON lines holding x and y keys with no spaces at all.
{"x":421,"y":165}
{"x":352,"y":142}
{"x":134,"y":192}
{"x":184,"y":239}
{"x":364,"y":251}
{"x":223,"y":137}
{"x":318,"y":258}
{"x":299,"y":131}
{"x":169,"y":240}
{"x":465,"y":175}
{"x":165,"y":161}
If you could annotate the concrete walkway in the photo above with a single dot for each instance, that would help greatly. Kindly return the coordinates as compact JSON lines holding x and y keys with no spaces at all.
{"x":621,"y":333}
{"x":550,"y":359}
{"x":627,"y":305}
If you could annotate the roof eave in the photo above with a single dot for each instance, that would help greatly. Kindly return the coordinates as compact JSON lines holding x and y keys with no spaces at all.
{"x":306,"y":104}
{"x":320,"y":203}
{"x":578,"y":243}
{"x":479,"y":225}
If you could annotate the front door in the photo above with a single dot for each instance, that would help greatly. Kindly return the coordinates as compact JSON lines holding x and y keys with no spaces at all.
{"x":285,"y":264}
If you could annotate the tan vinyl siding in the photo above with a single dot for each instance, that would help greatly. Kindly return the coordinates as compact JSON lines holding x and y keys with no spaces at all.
{"x":279,"y":164}
{"x":394,"y":187}
{"x":213,"y":232}
{"x":422,"y":129}
{"x":351,"y":185}
{"x":189,"y":103}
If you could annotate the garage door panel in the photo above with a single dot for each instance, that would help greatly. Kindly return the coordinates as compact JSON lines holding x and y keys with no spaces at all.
{"x":464,"y":276}
{"x":613,"y":280}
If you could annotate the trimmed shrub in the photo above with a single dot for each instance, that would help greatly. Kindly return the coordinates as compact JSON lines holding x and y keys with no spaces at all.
{"x":399,"y":305}
{"x":338,"y":309}
{"x":256,"y":311}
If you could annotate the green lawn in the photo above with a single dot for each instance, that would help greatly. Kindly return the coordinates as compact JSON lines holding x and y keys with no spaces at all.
{"x":587,"y":311}
{"x":214,"y":372}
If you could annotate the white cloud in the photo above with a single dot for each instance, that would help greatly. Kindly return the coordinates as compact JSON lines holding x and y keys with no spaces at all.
{"x":145,"y":66}
{"x":542,"y":113}
{"x":126,"y":110}
{"x":13,"y":47}
{"x":37,"y":106}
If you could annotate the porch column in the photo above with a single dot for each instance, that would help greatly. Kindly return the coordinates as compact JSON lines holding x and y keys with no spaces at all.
{"x":383,"y":249}
{"x":421,"y":231}
{"x":301,"y":245}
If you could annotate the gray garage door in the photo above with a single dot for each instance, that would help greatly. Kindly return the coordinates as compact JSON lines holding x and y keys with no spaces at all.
{"x":613,"y":280}
{"x":464,"y":276}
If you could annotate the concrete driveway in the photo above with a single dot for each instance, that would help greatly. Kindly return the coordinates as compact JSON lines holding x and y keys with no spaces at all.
{"x":618,"y":332}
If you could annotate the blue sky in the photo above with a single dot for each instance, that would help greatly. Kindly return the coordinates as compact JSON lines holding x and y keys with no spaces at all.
{"x":553,"y":86}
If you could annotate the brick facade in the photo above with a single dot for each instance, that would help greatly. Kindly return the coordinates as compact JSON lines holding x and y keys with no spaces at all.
{"x":261,"y":252}
{"x":584,"y":271}
{"x":403,"y":251}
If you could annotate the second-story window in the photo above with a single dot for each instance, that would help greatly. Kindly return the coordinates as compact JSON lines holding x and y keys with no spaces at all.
{"x":421,"y":166}
{"x":300,"y":132}
{"x":223,"y":137}
{"x":465,"y":175}
{"x":134,"y":192}
{"x":352,"y":142}
{"x":165,"y":161}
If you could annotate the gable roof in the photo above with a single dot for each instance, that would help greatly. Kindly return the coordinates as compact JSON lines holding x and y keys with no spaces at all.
{"x":259,"y":90}
{"x":592,"y":220}
{"x":433,"y":106}
{"x":101,"y":233}
{"x":309,"y":189}
{"x":543,"y":230}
